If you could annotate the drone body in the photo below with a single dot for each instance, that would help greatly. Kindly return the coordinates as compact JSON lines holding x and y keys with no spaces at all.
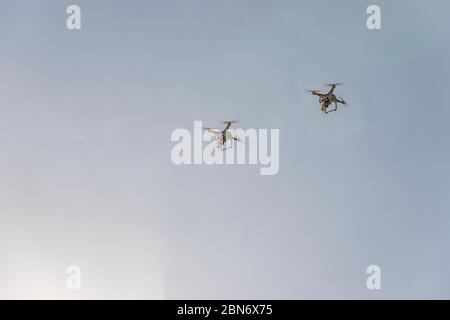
{"x":222,"y":136}
{"x":326,"y":99}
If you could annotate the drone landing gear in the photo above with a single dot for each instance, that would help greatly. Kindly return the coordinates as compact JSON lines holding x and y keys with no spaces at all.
{"x":225,"y":147}
{"x":335,"y":108}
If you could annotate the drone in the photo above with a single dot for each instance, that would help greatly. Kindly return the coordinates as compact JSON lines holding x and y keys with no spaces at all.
{"x":222,"y":136}
{"x":325,"y":99}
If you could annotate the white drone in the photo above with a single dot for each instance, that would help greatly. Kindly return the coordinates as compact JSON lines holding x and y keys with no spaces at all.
{"x":222,"y":136}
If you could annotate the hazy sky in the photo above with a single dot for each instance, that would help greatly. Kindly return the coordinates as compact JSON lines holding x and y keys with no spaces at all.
{"x":86,"y":176}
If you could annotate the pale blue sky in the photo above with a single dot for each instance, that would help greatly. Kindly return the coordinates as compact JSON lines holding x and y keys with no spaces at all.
{"x":85,"y":170}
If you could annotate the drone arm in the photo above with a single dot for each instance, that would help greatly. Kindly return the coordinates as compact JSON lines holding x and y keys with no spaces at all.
{"x":332,"y":88}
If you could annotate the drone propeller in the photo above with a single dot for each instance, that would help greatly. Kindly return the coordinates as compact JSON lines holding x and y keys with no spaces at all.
{"x":229,"y":121}
{"x":313,"y":91}
{"x":213,"y":130}
{"x":334,"y":84}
